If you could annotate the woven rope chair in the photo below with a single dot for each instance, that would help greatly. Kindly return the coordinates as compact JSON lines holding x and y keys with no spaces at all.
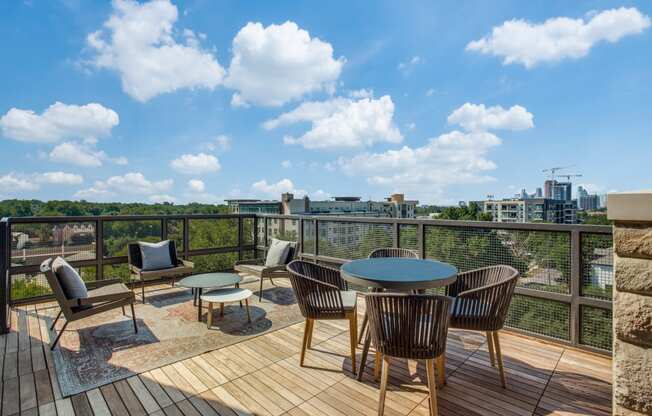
{"x":384,"y":253}
{"x":322,"y":294}
{"x":412,"y":327}
{"x":482,"y":299}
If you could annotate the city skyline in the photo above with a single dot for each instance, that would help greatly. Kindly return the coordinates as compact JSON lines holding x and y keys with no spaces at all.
{"x":194,"y":101}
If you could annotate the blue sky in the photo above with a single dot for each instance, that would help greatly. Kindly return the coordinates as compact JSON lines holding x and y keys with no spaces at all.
{"x":204,"y":100}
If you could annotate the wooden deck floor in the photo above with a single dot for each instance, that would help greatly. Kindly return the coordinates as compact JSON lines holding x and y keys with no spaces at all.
{"x":261,"y":376}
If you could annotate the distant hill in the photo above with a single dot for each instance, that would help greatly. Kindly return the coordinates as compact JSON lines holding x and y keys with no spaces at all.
{"x":36,"y":208}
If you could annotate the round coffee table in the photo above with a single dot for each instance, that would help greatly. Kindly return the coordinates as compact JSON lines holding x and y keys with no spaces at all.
{"x":199,"y":282}
{"x":223,"y":296}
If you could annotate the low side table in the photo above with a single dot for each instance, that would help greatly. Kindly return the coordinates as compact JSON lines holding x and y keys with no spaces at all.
{"x":223,"y":296}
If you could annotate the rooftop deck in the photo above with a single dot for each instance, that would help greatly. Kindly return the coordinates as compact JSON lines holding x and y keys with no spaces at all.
{"x":262,"y":376}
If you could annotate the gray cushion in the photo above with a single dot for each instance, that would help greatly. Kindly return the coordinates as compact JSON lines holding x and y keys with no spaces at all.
{"x":349,"y":299}
{"x":72,"y":284}
{"x":156,"y":256}
{"x":277,"y":253}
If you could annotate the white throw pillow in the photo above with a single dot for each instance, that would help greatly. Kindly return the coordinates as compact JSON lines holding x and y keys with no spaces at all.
{"x":156,"y":256}
{"x":72,"y":284}
{"x":277,"y":253}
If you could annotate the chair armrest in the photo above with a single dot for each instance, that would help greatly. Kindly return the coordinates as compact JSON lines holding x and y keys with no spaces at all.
{"x":272,"y":269}
{"x":104,"y":298}
{"x":99,"y":283}
{"x":134,"y":270}
{"x":476,"y":292}
{"x":186,"y":263}
{"x":254,"y":262}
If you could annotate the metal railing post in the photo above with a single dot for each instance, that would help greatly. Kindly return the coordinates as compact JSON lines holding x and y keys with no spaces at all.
{"x":316,"y":225}
{"x":5,"y":259}
{"x":265,"y":233}
{"x":575,"y":285}
{"x":256,"y":237}
{"x":186,"y":238}
{"x":300,"y":238}
{"x":164,"y":228}
{"x":396,"y":238}
{"x":421,"y":240}
{"x":99,"y":249}
{"x":240,"y":237}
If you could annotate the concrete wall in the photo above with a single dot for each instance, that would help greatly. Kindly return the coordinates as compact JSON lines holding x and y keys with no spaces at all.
{"x":632,"y":319}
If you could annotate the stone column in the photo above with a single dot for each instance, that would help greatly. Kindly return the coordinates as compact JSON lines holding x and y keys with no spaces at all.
{"x":632,"y":308}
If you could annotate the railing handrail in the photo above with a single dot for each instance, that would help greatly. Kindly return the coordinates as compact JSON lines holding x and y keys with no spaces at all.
{"x":135,"y":217}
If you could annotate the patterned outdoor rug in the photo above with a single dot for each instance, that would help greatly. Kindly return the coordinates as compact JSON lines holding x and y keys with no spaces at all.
{"x":104,"y":348}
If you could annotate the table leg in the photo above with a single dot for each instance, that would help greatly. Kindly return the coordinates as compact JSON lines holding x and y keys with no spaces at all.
{"x":210,"y":315}
{"x":199,"y":304}
{"x":248,"y":315}
{"x":237,"y":286}
{"x":221,"y":310}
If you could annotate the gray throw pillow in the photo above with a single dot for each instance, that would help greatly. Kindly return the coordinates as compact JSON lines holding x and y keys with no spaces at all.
{"x":156,"y":256}
{"x":277,"y":253}
{"x":72,"y":284}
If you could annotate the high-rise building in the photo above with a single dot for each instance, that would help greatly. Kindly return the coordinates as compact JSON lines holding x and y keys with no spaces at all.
{"x":538,"y":193}
{"x":532,"y":210}
{"x":589,"y":202}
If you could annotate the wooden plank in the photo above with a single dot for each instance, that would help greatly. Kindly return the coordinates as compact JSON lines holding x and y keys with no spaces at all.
{"x":146,"y":399}
{"x":81,"y":405}
{"x":224,"y":396}
{"x":202,"y":406}
{"x":11,"y":365}
{"x":213,"y":372}
{"x":27,"y":392}
{"x":155,"y":389}
{"x":129,"y":399}
{"x":216,"y":403}
{"x":30,"y":412}
{"x":48,"y":409}
{"x":112,"y":399}
{"x":43,"y":387}
{"x":187,"y":408}
{"x":97,"y":403}
{"x":170,"y":388}
{"x":64,"y":407}
{"x":24,"y":361}
{"x":10,"y":395}
{"x":244,"y":397}
{"x":172,"y":411}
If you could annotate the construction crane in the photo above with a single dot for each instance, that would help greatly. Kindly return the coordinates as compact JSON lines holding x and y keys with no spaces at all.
{"x":572,"y":175}
{"x":554,"y":170}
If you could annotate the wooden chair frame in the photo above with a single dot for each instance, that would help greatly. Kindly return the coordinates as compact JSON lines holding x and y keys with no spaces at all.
{"x":104,"y":295}
{"x":182,"y":268}
{"x":267,"y":272}
{"x":318,"y":290}
{"x":482,"y":299}
{"x":413,"y":327}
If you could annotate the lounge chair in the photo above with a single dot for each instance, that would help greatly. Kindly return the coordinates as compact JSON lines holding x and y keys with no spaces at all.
{"x":265,"y":268}
{"x":179,"y":267}
{"x":104,"y":295}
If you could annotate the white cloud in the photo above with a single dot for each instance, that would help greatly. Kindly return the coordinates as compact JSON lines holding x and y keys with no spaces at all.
{"x":342,"y":123}
{"x":407,"y":66}
{"x":59,"y":122}
{"x":138,"y":42}
{"x":196,"y":185}
{"x":76,"y":154}
{"x":286,"y":164}
{"x":361,"y":93}
{"x":195,"y":164}
{"x":430,"y":92}
{"x":411,"y":126}
{"x":82,"y":154}
{"x":274,"y":190}
{"x":12,"y":183}
{"x":279,"y":63}
{"x":161,"y":198}
{"x":454,"y":158}
{"x":519,"y":41}
{"x":59,"y":178}
{"x":220,"y":143}
{"x":474,"y":117}
{"x":319,"y":195}
{"x":133,"y":183}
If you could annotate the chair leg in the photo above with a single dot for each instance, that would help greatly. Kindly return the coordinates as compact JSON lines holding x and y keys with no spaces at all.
{"x":353,"y":329}
{"x":123,"y":311}
{"x":432,"y":386}
{"x":248,"y":314}
{"x":490,"y":347}
{"x":499,"y":359}
{"x":272,"y":281}
{"x":378,"y":363}
{"x":362,"y":328}
{"x":383,"y":386}
{"x":306,"y":332}
{"x":310,"y":330}
{"x":142,"y":291}
{"x":133,"y":316}
{"x":56,"y":340}
{"x":363,"y":357}
{"x":209,"y":318}
{"x":55,"y":320}
{"x":260,"y":293}
{"x":441,"y":370}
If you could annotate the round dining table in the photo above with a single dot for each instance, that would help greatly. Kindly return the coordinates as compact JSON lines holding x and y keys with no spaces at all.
{"x":394,"y":274}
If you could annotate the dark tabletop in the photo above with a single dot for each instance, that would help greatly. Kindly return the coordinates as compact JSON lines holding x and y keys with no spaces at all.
{"x":210,"y":280}
{"x":399,"y":273}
